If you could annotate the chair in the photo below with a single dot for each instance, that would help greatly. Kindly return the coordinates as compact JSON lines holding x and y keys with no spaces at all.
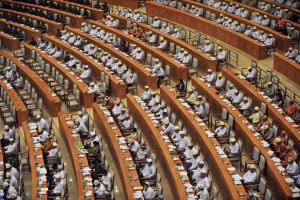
{"x":268,"y":195}
{"x":166,"y":80}
{"x":238,"y":158}
{"x":206,"y":113}
{"x":255,"y":157}
{"x":253,"y":185}
{"x":133,"y":89}
{"x":194,"y":68}
{"x":39,"y":110}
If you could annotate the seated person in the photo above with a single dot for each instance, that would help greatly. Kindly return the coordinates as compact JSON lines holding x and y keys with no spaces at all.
{"x":237,"y":97}
{"x":148,"y":191}
{"x":221,"y":131}
{"x":292,"y":167}
{"x":220,"y":82}
{"x":210,"y":77}
{"x":245,"y":106}
{"x":255,"y":118}
{"x":269,"y":90}
{"x":234,"y":148}
{"x":250,"y":176}
{"x":291,"y":53}
{"x":278,"y":98}
{"x":149,"y":171}
{"x":291,"y":108}
{"x":181,"y":86}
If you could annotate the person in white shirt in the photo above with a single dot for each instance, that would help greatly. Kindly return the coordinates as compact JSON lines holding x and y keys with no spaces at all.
{"x":164,"y":28}
{"x":106,"y":178}
{"x":220,"y":82}
{"x":154,"y":96}
{"x":12,"y":180}
{"x":210,"y":77}
{"x":217,"y":4}
{"x":251,"y":175}
{"x":54,"y":151}
{"x":138,"y":55}
{"x":94,"y":88}
{"x":221,"y":54}
{"x":230,"y":92}
{"x":188,"y":151}
{"x":52,"y":50}
{"x":193,"y":163}
{"x":168,"y":128}
{"x":224,"y":6}
{"x":65,"y":35}
{"x":245,"y":106}
{"x":176,"y":134}
{"x":221,"y":131}
{"x":257,"y":18}
{"x":149,"y":171}
{"x":163,"y":44}
{"x":197,"y":172}
{"x":221,"y":19}
{"x":265,"y":21}
{"x":99,"y":189}
{"x":292,"y":167}
{"x":203,"y":179}
{"x":297,"y":59}
{"x":251,"y":74}
{"x":8,"y":133}
{"x":231,"y":8}
{"x":156,"y":23}
{"x":146,"y":96}
{"x":179,"y":55}
{"x":93,"y":31}
{"x":58,"y":53}
{"x":233,"y":150}
{"x":238,"y":11}
{"x":182,"y":142}
{"x":290,"y":53}
{"x":86,"y":74}
{"x":134,"y":146}
{"x":117,"y":108}
{"x":82,"y":118}
{"x":43,"y":134}
{"x":71,"y":62}
{"x":13,"y":171}
{"x":160,"y":72}
{"x":199,"y":109}
{"x":208,"y":47}
{"x":192,"y":10}
{"x":129,"y":14}
{"x":10,"y":190}
{"x":8,"y":73}
{"x":186,"y":59}
{"x":262,"y":36}
{"x":42,"y":122}
{"x":85,"y":28}
{"x":142,"y":153}
{"x":255,"y":33}
{"x":148,"y":192}
{"x":151,"y":38}
{"x":203,"y":193}
{"x":78,"y":41}
{"x":72,"y":38}
{"x":237,"y":97}
{"x":248,"y":31}
{"x":156,"y":107}
{"x":11,"y":147}
{"x":176,"y":33}
{"x":270,"y":41}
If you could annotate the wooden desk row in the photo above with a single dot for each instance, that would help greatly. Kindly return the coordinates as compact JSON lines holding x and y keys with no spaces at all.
{"x":159,"y":148}
{"x":276,"y":181}
{"x":144,"y":76}
{"x":51,"y":102}
{"x":231,"y":37}
{"x":9,"y":42}
{"x":252,"y":92}
{"x":85,"y":98}
{"x":29,"y":31}
{"x":207,"y":145}
{"x":281,"y":5}
{"x":287,"y":67}
{"x":262,"y":12}
{"x":33,"y":153}
{"x":66,"y":127}
{"x":95,"y":14}
{"x":75,"y":20}
{"x":110,"y":136}
{"x":177,"y":70}
{"x":282,"y":42}
{"x":132,"y":4}
{"x":205,"y":62}
{"x":21,"y":110}
{"x":118,"y":87}
{"x":52,"y":25}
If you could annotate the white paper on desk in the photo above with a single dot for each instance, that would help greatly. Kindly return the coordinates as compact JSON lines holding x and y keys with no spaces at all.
{"x":274,"y":105}
{"x":289,"y":180}
{"x":88,"y":194}
{"x":270,"y":152}
{"x":276,"y":160}
{"x":256,"y":134}
{"x":265,"y":145}
{"x":250,"y":127}
{"x":237,"y":182}
{"x":110,"y":119}
{"x":123,"y":147}
{"x":221,"y":152}
{"x":236,"y":177}
{"x":296,"y":194}
{"x":289,"y":119}
{"x":165,"y":137}
{"x":122,"y":140}
{"x":223,"y":156}
{"x":32,"y":126}
{"x":183,"y":173}
{"x":296,"y":189}
{"x":188,"y":185}
{"x":90,"y":183}
{"x":84,"y":151}
{"x":261,"y":93}
{"x":201,"y":124}
{"x":231,"y":169}
{"x":171,"y":146}
{"x":280,"y":110}
{"x":42,"y":192}
{"x":43,"y":178}
{"x":186,"y":105}
{"x":280,"y":168}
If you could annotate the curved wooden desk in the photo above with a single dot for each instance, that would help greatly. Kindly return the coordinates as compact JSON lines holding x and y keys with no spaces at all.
{"x":159,"y":148}
{"x":29,"y":31}
{"x":75,"y":20}
{"x":95,"y":14}
{"x":276,"y":181}
{"x":21,"y":110}
{"x":216,"y":165}
{"x":144,"y":76}
{"x":177,"y":71}
{"x":231,"y":37}
{"x":52,"y":25}
{"x":77,"y":162}
{"x":118,"y":87}
{"x":85,"y":98}
{"x":204,"y":61}
{"x":110,"y":138}
{"x":51,"y":102}
{"x":132,"y":4}
{"x":282,"y":42}
{"x":33,"y":164}
{"x":9,"y":42}
{"x":287,"y":67}
{"x":252,"y":92}
{"x":294,"y":10}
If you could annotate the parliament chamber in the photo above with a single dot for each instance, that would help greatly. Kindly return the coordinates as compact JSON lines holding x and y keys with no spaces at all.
{"x":149,"y":99}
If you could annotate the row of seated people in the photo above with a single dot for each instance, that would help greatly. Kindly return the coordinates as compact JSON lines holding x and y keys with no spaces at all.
{"x":138,"y":149}
{"x":137,"y":53}
{"x":293,"y":53}
{"x":43,"y":137}
{"x":190,"y":157}
{"x":280,"y":26}
{"x":253,"y":32}
{"x":28,"y":22}
{"x":11,"y":166}
{"x":65,"y":7}
{"x":290,"y":3}
{"x":110,"y":62}
{"x":183,"y":56}
{"x":34,"y":11}
{"x":13,"y":31}
{"x":102,"y":178}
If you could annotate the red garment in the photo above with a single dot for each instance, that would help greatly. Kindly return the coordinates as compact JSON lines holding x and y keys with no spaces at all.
{"x":281,"y":23}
